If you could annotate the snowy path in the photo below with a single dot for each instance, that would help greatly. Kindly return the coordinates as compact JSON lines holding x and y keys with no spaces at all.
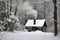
{"x":29,"y":36}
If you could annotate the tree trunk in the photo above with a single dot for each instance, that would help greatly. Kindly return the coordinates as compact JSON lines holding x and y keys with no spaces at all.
{"x":55,"y":16}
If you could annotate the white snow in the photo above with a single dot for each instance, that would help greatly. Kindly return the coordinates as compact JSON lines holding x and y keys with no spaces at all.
{"x":38,"y":35}
{"x":39,"y":23}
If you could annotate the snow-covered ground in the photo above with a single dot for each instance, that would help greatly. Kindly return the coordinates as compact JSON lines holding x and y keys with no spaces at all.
{"x":38,"y":35}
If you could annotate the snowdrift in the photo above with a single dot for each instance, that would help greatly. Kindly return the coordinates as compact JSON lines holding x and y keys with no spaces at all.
{"x":38,"y":35}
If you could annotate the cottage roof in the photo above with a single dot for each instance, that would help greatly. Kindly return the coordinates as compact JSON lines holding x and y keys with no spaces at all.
{"x":39,"y":23}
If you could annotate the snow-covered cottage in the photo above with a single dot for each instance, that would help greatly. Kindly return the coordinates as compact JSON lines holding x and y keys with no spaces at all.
{"x":33,"y":25}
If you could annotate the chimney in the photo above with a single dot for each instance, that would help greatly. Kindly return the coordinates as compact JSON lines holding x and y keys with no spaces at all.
{"x":34,"y":28}
{"x":34,"y":21}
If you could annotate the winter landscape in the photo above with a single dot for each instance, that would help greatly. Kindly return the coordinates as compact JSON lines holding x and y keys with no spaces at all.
{"x":29,"y":19}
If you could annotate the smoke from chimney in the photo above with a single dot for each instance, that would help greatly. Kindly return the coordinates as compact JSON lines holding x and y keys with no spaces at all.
{"x":29,"y":9}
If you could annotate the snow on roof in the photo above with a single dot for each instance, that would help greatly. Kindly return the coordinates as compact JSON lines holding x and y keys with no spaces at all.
{"x":39,"y":23}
